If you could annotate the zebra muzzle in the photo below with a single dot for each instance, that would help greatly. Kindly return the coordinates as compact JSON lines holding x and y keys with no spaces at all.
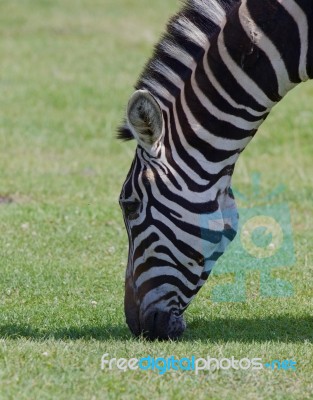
{"x":162,"y":325}
{"x":154,"y":323}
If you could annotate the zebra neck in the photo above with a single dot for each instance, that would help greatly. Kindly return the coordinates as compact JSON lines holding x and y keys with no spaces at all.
{"x":221,"y":67}
{"x":245,"y":70}
{"x":265,"y":46}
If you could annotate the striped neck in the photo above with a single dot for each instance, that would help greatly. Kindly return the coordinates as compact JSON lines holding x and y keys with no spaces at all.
{"x":225,"y":64}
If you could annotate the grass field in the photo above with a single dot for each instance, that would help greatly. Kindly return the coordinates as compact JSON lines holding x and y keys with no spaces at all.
{"x":66,"y":71}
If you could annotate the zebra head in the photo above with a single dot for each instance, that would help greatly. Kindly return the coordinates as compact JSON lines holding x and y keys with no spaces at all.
{"x":178,"y":221}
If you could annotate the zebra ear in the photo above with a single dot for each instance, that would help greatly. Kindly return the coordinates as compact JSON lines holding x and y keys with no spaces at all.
{"x":145,"y":119}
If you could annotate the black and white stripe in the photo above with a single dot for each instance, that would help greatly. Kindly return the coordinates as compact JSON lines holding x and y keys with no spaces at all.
{"x":214,"y":77}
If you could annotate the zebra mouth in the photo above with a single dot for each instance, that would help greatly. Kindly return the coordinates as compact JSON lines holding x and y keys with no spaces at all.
{"x":157,"y":325}
{"x":162,"y":325}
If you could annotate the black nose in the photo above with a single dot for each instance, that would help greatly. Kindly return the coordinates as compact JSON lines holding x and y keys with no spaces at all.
{"x":162,"y":325}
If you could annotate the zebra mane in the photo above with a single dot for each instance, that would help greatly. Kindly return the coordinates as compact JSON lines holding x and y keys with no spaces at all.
{"x":180,"y":48}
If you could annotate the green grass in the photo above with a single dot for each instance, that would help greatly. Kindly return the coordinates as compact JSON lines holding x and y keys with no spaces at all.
{"x":67,"y":69}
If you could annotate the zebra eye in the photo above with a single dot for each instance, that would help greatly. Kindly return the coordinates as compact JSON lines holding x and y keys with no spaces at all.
{"x":131,"y":208}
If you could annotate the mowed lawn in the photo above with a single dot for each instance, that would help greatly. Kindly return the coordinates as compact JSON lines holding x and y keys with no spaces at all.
{"x":66,"y":71}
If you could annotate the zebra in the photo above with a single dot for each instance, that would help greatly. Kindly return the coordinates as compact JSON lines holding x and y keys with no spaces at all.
{"x":214,"y":76}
